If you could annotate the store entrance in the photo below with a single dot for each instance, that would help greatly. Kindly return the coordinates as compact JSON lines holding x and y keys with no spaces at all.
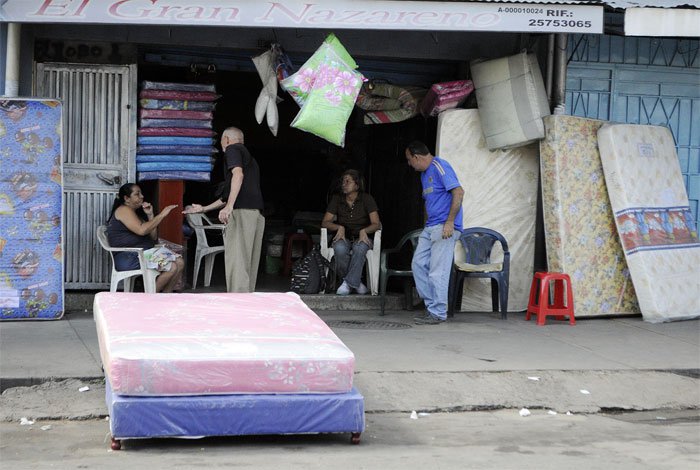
{"x":299,"y":171}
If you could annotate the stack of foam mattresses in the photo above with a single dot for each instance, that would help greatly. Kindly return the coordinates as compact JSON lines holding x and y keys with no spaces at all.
{"x":579,"y":226}
{"x":175,"y":138}
{"x":654,"y":220}
{"x":183,"y":365}
{"x":500,"y":193}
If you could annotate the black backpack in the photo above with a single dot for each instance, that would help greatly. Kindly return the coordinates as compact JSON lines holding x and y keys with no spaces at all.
{"x":309,"y":273}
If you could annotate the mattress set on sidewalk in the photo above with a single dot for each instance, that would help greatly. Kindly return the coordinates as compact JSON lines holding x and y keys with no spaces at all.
{"x":654,"y":221}
{"x":579,"y":226}
{"x":500,"y":193}
{"x":223,"y":364}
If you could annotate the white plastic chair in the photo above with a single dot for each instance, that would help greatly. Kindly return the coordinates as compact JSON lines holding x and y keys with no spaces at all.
{"x":149,"y":275}
{"x":200,"y":223}
{"x":373,"y":255}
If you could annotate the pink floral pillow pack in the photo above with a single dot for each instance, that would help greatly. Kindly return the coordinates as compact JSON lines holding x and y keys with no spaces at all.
{"x":326,"y":88}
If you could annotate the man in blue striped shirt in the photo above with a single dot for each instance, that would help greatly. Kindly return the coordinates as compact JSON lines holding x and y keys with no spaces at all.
{"x":432,"y":260}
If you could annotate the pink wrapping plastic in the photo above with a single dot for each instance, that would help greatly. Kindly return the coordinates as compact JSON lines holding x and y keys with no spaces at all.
{"x":174,"y":114}
{"x":175,"y":132}
{"x":446,"y":95}
{"x":205,"y":344}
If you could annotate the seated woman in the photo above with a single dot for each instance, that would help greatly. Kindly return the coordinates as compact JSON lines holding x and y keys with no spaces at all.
{"x":356,"y":218}
{"x":132,"y":224}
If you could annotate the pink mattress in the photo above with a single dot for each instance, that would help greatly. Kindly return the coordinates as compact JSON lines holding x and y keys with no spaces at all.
{"x":205,"y":344}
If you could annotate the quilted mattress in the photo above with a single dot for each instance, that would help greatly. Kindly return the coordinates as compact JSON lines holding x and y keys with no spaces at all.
{"x":512,"y":100}
{"x":579,"y":226}
{"x":207,"y":344}
{"x":654,"y":222}
{"x":500,"y":194}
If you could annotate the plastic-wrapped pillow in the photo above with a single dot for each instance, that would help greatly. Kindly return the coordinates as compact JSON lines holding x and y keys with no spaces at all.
{"x":331,"y":98}
{"x":300,"y":84}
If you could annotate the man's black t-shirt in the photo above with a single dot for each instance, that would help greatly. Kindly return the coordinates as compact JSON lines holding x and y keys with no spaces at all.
{"x":250,"y":196}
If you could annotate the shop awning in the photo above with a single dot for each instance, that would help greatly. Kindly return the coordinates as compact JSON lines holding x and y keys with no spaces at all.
{"x":536,"y":17}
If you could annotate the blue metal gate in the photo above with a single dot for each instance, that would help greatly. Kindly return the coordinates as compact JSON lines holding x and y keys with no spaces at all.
{"x":641,"y":81}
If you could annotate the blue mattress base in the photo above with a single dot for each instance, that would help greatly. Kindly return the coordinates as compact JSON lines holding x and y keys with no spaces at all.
{"x":234,"y":415}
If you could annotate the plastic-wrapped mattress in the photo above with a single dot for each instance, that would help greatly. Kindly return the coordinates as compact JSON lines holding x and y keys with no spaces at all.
{"x":177,"y":104}
{"x":172,"y":140}
{"x":31,"y":209}
{"x":512,"y":100}
{"x":174,"y":131}
{"x":657,"y":229}
{"x":174,"y":114}
{"x":186,"y":123}
{"x":175,"y":149}
{"x":234,"y":415}
{"x":500,"y":193}
{"x":174,"y":165}
{"x":207,"y":344}
{"x":174,"y":175}
{"x":579,"y":226}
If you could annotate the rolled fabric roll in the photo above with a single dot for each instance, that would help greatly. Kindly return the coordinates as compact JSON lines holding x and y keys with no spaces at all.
{"x":390,"y":103}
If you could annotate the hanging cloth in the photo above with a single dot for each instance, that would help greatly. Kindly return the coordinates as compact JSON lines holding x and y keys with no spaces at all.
{"x":266,"y":104}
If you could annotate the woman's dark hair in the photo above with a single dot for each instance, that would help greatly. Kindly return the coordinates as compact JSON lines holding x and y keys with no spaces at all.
{"x":418,"y":148}
{"x":355,"y":175}
{"x":125,"y":191}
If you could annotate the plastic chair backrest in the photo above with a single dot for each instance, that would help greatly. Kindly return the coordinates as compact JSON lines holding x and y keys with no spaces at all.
{"x":197,"y":222}
{"x":478,"y":244}
{"x":102,"y":238}
{"x":412,"y":238}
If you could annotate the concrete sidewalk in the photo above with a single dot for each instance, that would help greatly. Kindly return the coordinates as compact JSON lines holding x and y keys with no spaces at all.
{"x":476,"y":361}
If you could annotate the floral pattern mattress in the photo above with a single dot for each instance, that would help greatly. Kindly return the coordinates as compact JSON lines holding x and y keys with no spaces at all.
{"x":501,"y":194}
{"x":208,"y":344}
{"x":579,"y":226}
{"x":654,"y":221}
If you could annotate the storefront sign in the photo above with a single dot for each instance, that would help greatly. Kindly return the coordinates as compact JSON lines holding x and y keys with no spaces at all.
{"x":338,"y":14}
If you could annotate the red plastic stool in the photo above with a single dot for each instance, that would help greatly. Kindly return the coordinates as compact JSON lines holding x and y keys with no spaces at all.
{"x":290,"y":239}
{"x":540,"y":304}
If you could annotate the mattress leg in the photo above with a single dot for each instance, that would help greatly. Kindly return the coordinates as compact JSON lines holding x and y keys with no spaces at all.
{"x":116,"y":444}
{"x":355,"y":438}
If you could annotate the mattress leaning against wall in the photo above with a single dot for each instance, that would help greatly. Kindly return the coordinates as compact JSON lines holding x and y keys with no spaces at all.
{"x":579,"y":226}
{"x":653,"y":218}
{"x":500,"y":193}
{"x":512,"y":100}
{"x":31,"y":209}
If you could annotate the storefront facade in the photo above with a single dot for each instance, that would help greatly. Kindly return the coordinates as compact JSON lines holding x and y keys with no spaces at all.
{"x":89,"y":52}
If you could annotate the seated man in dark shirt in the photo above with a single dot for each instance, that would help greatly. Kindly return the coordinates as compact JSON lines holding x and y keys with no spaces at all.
{"x":356,"y":218}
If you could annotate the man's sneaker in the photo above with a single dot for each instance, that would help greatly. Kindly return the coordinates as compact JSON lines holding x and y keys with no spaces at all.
{"x":344,"y":289}
{"x":362,"y":290}
{"x":428,"y":319}
{"x":420,"y":314}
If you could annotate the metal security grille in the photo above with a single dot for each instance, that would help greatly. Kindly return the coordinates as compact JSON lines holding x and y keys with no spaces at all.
{"x":100,"y":144}
{"x":641,"y":81}
{"x":368,"y":325}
